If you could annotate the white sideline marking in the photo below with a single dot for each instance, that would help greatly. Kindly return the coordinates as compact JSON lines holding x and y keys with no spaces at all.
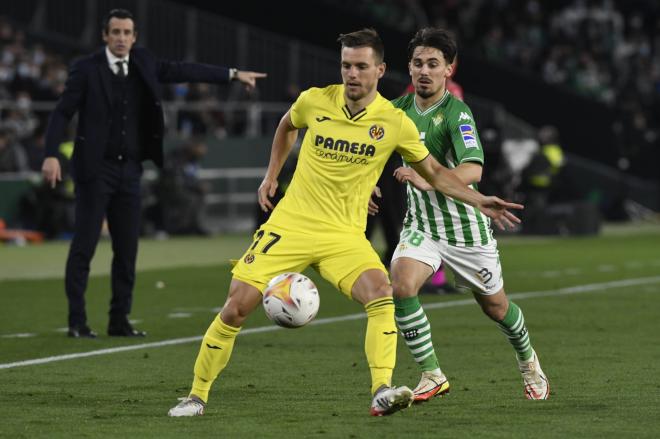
{"x":606,"y":268}
{"x":179,"y":315}
{"x":192,"y":309}
{"x":21,"y":335}
{"x":526,"y":295}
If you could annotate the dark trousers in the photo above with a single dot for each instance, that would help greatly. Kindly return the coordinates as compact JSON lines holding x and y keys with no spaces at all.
{"x":114,"y":194}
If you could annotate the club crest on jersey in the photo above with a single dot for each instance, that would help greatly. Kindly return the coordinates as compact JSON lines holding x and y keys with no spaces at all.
{"x":437,"y":119}
{"x":376,"y":132}
{"x":249,"y":258}
{"x":469,"y":136}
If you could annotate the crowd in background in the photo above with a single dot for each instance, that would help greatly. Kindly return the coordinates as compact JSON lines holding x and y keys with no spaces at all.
{"x":606,"y":50}
{"x":28,"y":72}
{"x":404,"y":15}
{"x":603,"y":49}
{"x":596,"y":47}
{"x":33,"y":72}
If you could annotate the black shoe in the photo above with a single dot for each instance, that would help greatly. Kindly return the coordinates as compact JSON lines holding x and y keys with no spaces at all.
{"x":81,"y":331}
{"x":124,"y":329}
{"x":438,"y":289}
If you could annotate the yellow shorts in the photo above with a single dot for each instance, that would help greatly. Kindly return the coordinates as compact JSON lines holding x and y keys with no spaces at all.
{"x":339,"y":257}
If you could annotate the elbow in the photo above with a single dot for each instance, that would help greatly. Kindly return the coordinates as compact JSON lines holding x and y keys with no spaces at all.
{"x":286,"y":123}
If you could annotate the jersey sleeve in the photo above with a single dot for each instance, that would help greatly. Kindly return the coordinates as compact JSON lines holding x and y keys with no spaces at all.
{"x":409,"y":146}
{"x":464,"y":137}
{"x":299,"y":110}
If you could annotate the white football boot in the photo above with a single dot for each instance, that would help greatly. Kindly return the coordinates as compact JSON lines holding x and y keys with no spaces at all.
{"x":189,"y":406}
{"x":391,"y":399}
{"x":430,"y":385}
{"x":536,"y":383}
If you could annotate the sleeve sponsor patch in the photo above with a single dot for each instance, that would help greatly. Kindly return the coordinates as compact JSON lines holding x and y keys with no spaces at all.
{"x":469,"y":137}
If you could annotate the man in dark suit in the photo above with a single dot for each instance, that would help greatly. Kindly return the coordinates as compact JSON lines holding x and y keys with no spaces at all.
{"x":116,"y":93}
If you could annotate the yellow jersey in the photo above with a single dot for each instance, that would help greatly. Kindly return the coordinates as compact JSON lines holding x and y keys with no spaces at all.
{"x":341,"y":157}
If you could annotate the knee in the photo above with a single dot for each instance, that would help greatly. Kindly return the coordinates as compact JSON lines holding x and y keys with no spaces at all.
{"x":380,"y":291}
{"x":233,"y":314}
{"x":404,"y":288}
{"x":241,"y":300}
{"x":496,"y":311}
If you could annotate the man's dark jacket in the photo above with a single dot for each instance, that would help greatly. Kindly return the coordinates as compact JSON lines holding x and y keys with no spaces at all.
{"x":88,"y":92}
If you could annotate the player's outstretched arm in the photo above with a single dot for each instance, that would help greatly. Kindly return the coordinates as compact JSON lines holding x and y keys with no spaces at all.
{"x":497,"y":209}
{"x":408,"y":175}
{"x":285,"y":137}
{"x":468,"y":173}
{"x":443,"y":180}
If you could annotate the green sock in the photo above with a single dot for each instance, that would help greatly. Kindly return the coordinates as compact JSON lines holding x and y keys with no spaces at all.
{"x":416,"y":330}
{"x":513,"y":326}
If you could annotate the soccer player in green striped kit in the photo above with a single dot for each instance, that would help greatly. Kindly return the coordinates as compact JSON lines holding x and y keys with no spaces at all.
{"x":437,"y":228}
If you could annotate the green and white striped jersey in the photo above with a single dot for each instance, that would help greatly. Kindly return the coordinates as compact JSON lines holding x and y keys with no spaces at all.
{"x":449,"y":132}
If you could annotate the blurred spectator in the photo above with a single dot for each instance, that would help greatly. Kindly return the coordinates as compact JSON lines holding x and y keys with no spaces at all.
{"x":291,"y":92}
{"x":35,"y":150}
{"x":497,"y":177}
{"x":540,"y":176}
{"x":202,"y":120}
{"x":20,"y":119}
{"x":12,"y":155}
{"x":180,"y":192}
{"x":403,"y":15}
{"x":27,"y":72}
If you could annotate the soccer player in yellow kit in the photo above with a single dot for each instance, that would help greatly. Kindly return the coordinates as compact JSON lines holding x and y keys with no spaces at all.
{"x":351,"y":132}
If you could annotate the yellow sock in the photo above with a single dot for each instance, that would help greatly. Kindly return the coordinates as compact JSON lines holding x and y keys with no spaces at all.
{"x":213,"y":356}
{"x":380,"y":341}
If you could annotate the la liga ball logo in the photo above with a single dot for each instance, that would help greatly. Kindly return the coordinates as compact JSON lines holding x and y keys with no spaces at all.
{"x":376,"y":132}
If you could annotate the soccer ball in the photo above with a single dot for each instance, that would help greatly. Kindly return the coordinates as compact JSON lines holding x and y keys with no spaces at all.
{"x":291,"y":300}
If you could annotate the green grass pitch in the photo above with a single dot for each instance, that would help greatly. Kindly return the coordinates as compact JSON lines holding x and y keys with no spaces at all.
{"x":592,"y":306}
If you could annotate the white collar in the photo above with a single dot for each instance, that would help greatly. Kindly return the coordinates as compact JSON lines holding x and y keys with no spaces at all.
{"x":432,"y":107}
{"x":112,"y":59}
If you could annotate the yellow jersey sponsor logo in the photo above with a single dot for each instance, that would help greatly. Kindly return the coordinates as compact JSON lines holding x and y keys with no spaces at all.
{"x":342,"y":145}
